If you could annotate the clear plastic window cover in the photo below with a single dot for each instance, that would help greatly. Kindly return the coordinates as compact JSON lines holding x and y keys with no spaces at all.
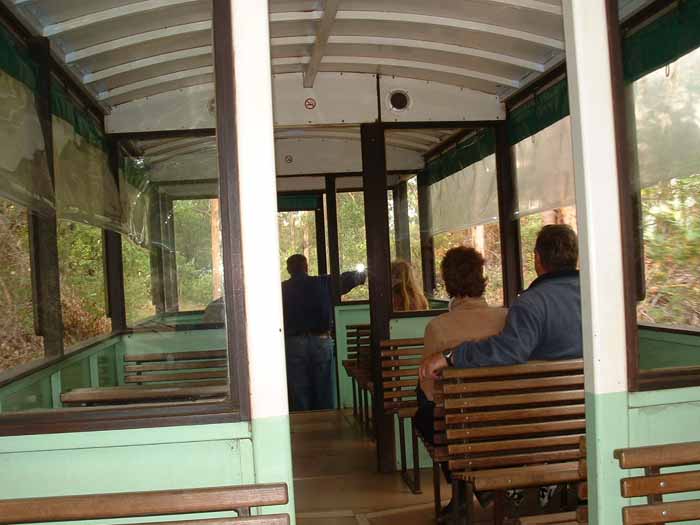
{"x":667,"y":109}
{"x":85,"y":188}
{"x":146,"y":183}
{"x":23,"y":163}
{"x":545,"y":170}
{"x":467,"y":198}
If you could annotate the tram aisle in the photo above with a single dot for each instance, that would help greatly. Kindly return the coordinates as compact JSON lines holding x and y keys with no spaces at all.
{"x":336,"y":482}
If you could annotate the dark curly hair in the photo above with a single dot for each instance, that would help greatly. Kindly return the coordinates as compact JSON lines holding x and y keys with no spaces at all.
{"x":557,"y":246}
{"x":462,"y":269}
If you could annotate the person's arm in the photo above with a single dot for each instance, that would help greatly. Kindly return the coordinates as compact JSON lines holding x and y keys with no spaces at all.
{"x":513,"y":345}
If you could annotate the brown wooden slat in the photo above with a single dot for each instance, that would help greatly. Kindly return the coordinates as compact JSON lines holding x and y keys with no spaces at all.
{"x":271,"y":519}
{"x":516,"y":430}
{"x":661,"y":513}
{"x":583,"y":467}
{"x":418,"y":352}
{"x":401,"y":383}
{"x":175,"y":356}
{"x":136,"y":504}
{"x":165,"y":366}
{"x":514,"y":444}
{"x":533,"y":367}
{"x":512,"y":460}
{"x":548,"y":519}
{"x":661,"y":484}
{"x":124,"y":394}
{"x":401,"y":362}
{"x":408,"y":372}
{"x":582,"y":515}
{"x":659,"y":456}
{"x":400,"y":394}
{"x":518,"y":384}
{"x":393,"y":343}
{"x":515,"y":415}
{"x":515,"y":399}
{"x":530,"y":476}
{"x":176,"y":376}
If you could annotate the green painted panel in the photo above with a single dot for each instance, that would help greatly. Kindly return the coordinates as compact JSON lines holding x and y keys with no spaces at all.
{"x":606,"y":430}
{"x":410,"y":327}
{"x":664,"y":349}
{"x":126,"y":460}
{"x":272,"y":455}
{"x":346,"y":315}
{"x":35,"y":395}
{"x":107,"y":367}
{"x":181,"y":341}
{"x":76,"y":375}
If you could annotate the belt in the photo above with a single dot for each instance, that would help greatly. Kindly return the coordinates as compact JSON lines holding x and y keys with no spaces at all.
{"x":311,"y":334}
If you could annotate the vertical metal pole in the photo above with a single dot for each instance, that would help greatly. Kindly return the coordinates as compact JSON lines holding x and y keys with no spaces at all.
{"x":321,"y":242}
{"x":427,"y":250}
{"x":333,"y":247}
{"x":43,"y":230}
{"x":113,"y":263}
{"x":402,"y":235}
{"x":378,"y":255}
{"x":511,"y":260}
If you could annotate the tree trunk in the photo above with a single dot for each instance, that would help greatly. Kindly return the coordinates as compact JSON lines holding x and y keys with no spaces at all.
{"x":216,"y":255}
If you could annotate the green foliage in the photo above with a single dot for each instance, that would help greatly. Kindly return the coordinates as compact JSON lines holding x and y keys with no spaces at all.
{"x":297,"y":234}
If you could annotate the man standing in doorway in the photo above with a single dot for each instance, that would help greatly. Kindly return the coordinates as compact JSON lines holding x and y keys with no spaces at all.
{"x":308,"y":317}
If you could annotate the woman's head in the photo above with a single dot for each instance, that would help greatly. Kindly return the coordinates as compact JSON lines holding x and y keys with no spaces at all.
{"x":407,"y":294}
{"x":462,"y":270}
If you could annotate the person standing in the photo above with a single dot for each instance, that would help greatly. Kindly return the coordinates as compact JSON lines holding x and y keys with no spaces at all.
{"x":308,"y":317}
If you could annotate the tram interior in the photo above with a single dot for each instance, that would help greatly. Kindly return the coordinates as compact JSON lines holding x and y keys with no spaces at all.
{"x":140,"y":343}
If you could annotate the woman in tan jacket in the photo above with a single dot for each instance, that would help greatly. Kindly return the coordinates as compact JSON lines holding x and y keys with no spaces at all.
{"x":469,"y":318}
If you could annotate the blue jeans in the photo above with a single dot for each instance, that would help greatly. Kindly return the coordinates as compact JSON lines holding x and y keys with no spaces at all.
{"x":310,"y":372}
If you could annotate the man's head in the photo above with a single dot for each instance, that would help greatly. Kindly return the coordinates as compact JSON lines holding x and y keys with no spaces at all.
{"x":462,"y":269}
{"x":556,"y":249}
{"x":297,"y":265}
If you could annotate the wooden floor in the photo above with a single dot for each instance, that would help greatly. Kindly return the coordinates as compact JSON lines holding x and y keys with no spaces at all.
{"x":335,"y":478}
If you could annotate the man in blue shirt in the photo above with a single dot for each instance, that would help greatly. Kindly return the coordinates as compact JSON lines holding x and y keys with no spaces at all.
{"x":543,"y":323}
{"x":308,"y":317}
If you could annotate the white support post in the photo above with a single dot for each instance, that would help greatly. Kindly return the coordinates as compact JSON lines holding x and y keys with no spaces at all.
{"x":330,"y":10}
{"x":598,"y":210}
{"x":260,"y":244}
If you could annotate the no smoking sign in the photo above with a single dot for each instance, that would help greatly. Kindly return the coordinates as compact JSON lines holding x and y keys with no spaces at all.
{"x":310,"y":103}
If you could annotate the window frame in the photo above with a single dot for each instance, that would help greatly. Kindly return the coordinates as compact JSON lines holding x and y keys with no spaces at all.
{"x":236,"y":407}
{"x":630,"y":209}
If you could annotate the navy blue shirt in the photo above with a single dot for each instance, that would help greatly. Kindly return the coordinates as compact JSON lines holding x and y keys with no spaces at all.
{"x":544,"y":323}
{"x":308,"y":301}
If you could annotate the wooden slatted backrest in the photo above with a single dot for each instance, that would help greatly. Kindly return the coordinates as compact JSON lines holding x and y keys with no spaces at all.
{"x":140,"y":504}
{"x":208,"y":367}
{"x":512,"y":416}
{"x":359,"y":345}
{"x":401,"y":360}
{"x":655,"y":484}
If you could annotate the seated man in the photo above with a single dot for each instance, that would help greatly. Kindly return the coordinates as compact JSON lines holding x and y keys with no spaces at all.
{"x":308,"y":316}
{"x":543,"y":323}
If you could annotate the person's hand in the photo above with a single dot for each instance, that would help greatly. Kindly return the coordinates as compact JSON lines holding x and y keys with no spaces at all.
{"x":431,"y":367}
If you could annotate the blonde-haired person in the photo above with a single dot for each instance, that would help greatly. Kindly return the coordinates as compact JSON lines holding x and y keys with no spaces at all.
{"x":406,"y":295}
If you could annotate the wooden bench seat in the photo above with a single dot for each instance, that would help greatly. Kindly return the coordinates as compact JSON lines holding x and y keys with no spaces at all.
{"x":654,"y":485}
{"x":358,"y":366}
{"x":179,"y":367}
{"x":400,"y":361}
{"x":512,"y":427}
{"x":240,"y":499}
{"x":141,"y":394}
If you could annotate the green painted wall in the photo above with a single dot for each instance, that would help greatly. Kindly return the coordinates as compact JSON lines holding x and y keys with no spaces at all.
{"x":346,"y":315}
{"x":663,"y":349}
{"x":126,"y":460}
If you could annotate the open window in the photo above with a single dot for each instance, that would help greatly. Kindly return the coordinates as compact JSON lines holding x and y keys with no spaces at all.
{"x":662,"y":68}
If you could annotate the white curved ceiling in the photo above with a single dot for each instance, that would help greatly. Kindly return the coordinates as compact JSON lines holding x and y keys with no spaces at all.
{"x":124,"y":50}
